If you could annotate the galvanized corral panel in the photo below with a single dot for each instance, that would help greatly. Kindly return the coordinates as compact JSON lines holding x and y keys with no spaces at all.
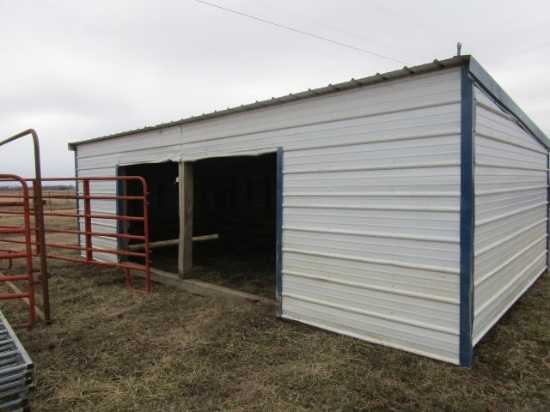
{"x":511,"y":213}
{"x":16,"y":370}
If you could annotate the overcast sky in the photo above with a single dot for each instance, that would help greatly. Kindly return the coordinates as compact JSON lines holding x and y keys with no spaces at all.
{"x":76,"y":70}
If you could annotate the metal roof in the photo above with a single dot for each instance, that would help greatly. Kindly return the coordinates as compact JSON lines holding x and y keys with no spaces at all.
{"x":436,"y":65}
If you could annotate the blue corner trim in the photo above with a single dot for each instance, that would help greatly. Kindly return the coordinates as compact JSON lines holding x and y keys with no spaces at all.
{"x":547,"y":213}
{"x":279,"y":227}
{"x":467,"y":218}
{"x":484,"y":80}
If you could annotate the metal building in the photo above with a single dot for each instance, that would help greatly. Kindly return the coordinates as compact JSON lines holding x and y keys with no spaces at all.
{"x":409,"y":209}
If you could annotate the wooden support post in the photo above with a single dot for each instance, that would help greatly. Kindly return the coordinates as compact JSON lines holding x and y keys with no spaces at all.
{"x":185,"y":250}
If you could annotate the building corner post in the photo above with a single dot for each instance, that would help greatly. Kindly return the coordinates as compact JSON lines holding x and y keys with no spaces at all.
{"x":279,"y":230}
{"x":547,"y":213}
{"x":467,"y":217}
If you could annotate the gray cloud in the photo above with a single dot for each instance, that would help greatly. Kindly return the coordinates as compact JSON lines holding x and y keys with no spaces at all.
{"x":78,"y":70}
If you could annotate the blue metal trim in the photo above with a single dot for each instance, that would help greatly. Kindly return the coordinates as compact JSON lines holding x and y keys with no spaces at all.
{"x":490,"y":86}
{"x":279,"y":229}
{"x":547,"y":213}
{"x":467,"y":219}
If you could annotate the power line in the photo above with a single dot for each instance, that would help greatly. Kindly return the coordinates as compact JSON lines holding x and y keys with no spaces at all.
{"x":300,"y":31}
{"x":332,"y":27}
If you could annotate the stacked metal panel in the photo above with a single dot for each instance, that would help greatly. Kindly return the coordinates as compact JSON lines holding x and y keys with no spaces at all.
{"x":16,"y":370}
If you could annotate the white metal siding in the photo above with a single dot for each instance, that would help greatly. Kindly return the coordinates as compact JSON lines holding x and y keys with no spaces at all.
{"x":101,"y":207}
{"x":371,"y":203}
{"x":511,"y":213}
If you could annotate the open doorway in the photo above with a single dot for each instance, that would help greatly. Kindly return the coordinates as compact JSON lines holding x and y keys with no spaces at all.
{"x":234,"y":220}
{"x":163,"y":199}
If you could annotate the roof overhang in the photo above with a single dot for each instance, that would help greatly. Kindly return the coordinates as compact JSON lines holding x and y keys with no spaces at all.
{"x":479,"y":75}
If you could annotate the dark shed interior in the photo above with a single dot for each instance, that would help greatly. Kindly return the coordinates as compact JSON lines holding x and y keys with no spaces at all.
{"x":234,"y":198}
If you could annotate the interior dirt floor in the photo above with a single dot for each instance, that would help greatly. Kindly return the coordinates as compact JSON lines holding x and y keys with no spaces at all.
{"x":244,"y":266}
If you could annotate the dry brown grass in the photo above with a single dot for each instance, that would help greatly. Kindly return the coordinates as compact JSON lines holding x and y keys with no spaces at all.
{"x":111,"y":350}
{"x":51,"y":205}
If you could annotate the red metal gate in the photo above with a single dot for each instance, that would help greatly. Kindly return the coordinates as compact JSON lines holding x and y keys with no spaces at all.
{"x":39,"y":231}
{"x":22,"y":284}
{"x":78,"y":243}
{"x":89,"y":217}
{"x":35,"y":235}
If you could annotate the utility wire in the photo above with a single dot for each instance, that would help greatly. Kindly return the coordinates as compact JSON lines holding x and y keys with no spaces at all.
{"x":301,"y":32}
{"x":332,"y":27}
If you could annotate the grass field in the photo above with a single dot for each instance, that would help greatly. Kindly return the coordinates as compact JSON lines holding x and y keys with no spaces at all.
{"x":111,"y":350}
{"x":50,"y":205}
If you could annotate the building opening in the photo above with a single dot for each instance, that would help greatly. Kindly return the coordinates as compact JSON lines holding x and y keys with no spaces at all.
{"x":234,"y":220}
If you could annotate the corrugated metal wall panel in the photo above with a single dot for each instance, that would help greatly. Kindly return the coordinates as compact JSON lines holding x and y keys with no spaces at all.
{"x":399,"y":179}
{"x":503,"y":126}
{"x":410,"y":310}
{"x":491,"y":231}
{"x":371,"y":203}
{"x":492,"y":151}
{"x":489,"y":257}
{"x":377,"y":274}
{"x":371,"y":231}
{"x":409,"y":223}
{"x":100,"y":207}
{"x":494,"y":205}
{"x":396,"y":97}
{"x":418,"y":150}
{"x":358,"y":324}
{"x":511,"y":213}
{"x":370,"y":245}
{"x":165,"y":140}
{"x":277,"y":125}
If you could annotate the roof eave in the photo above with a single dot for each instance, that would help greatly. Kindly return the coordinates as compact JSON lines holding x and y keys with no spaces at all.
{"x":436,"y":65}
